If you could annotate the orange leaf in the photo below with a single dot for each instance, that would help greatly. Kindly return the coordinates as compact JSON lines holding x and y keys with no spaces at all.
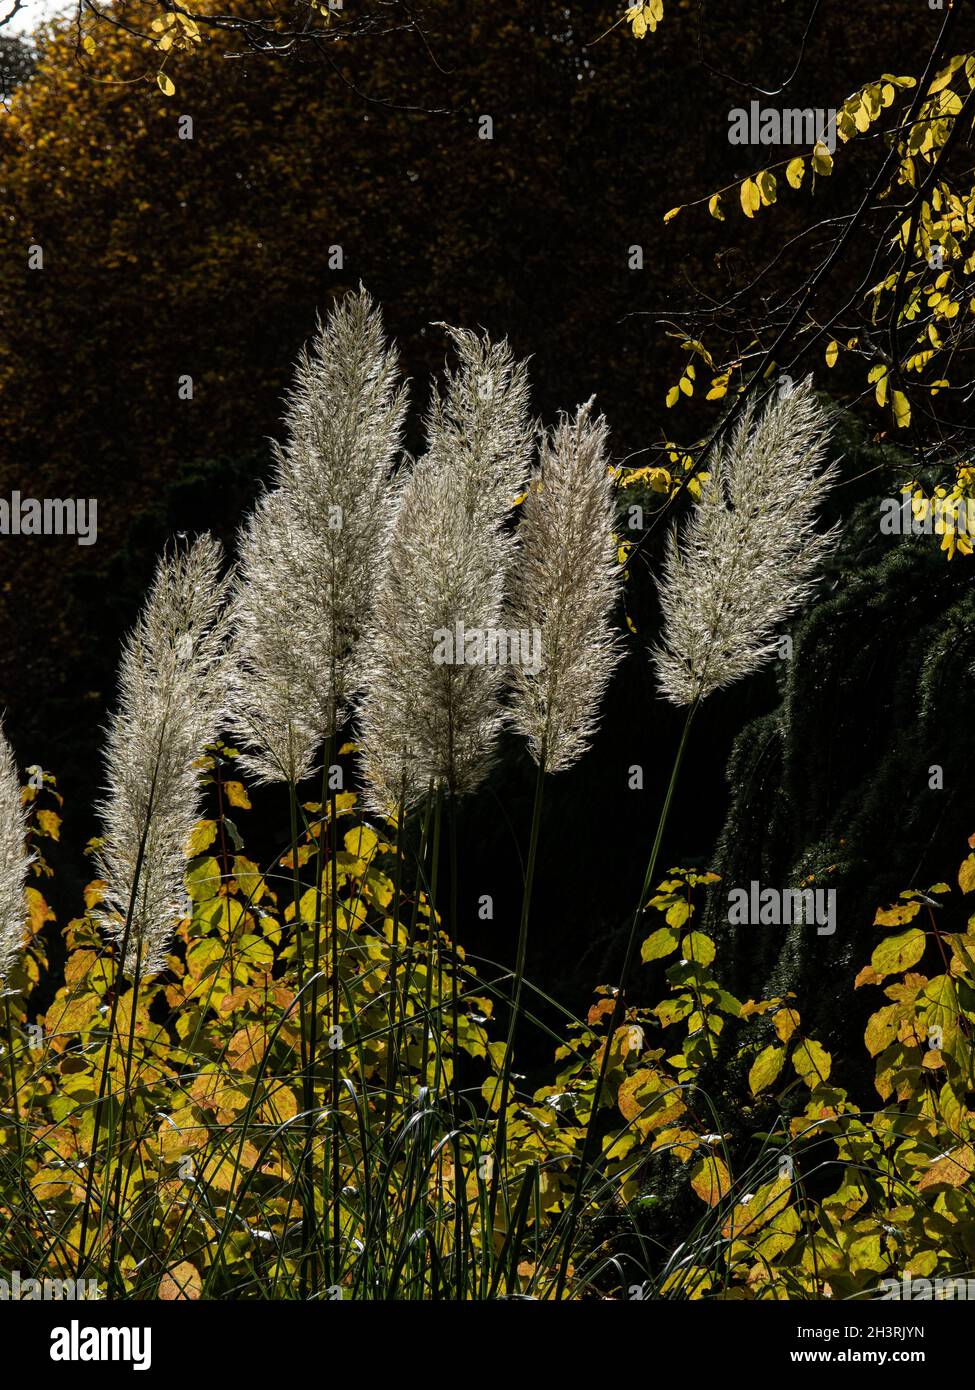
{"x":182,"y":1281}
{"x":952,"y":1170}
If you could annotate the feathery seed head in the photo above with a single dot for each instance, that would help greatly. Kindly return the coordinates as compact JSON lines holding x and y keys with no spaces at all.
{"x":283,"y":684}
{"x":425,"y":722}
{"x":173,"y":681}
{"x":478,"y":426}
{"x":311,"y":550}
{"x":565,"y":582}
{"x":748,"y":556}
{"x":14,"y":861}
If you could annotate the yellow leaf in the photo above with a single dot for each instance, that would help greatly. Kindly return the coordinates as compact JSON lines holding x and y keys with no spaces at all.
{"x":38,"y":911}
{"x":941,"y":998}
{"x":203,"y":836}
{"x":751,"y":199}
{"x":812,"y":1062}
{"x":714,"y":207}
{"x":795,"y":171}
{"x":227,"y":1172}
{"x":878,"y":375}
{"x":902,"y":409}
{"x":237,"y":795}
{"x":673,"y":396}
{"x":247,"y":1048}
{"x":678,"y":913}
{"x":966,"y":875}
{"x":766,"y":186}
{"x":952,"y":1169}
{"x":669,"y":216}
{"x":898,"y":915}
{"x":659,"y":944}
{"x":785,"y":1022}
{"x":832,"y":353}
{"x":88,"y":44}
{"x":249,"y":879}
{"x":166,"y":85}
{"x":710,"y":1180}
{"x":50,"y":823}
{"x":759,"y":1210}
{"x":882,"y":1028}
{"x":898,"y":953}
{"x":822,"y":160}
{"x":699,"y":948}
{"x":95,"y":893}
{"x":637,"y":1093}
{"x":203,"y":881}
{"x":361,"y":842}
{"x":765,"y":1068}
{"x":945,"y":75}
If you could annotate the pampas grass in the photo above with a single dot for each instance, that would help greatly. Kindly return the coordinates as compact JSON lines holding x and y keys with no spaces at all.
{"x":744,"y":562}
{"x":173,"y":687}
{"x":426,"y":723}
{"x":747,"y":558}
{"x":565,"y":583}
{"x":280,"y":710}
{"x":358,"y":580}
{"x":14,"y":861}
{"x":311,"y":550}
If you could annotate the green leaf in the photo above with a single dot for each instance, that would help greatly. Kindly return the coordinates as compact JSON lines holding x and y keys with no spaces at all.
{"x":234,"y":833}
{"x":203,"y":880}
